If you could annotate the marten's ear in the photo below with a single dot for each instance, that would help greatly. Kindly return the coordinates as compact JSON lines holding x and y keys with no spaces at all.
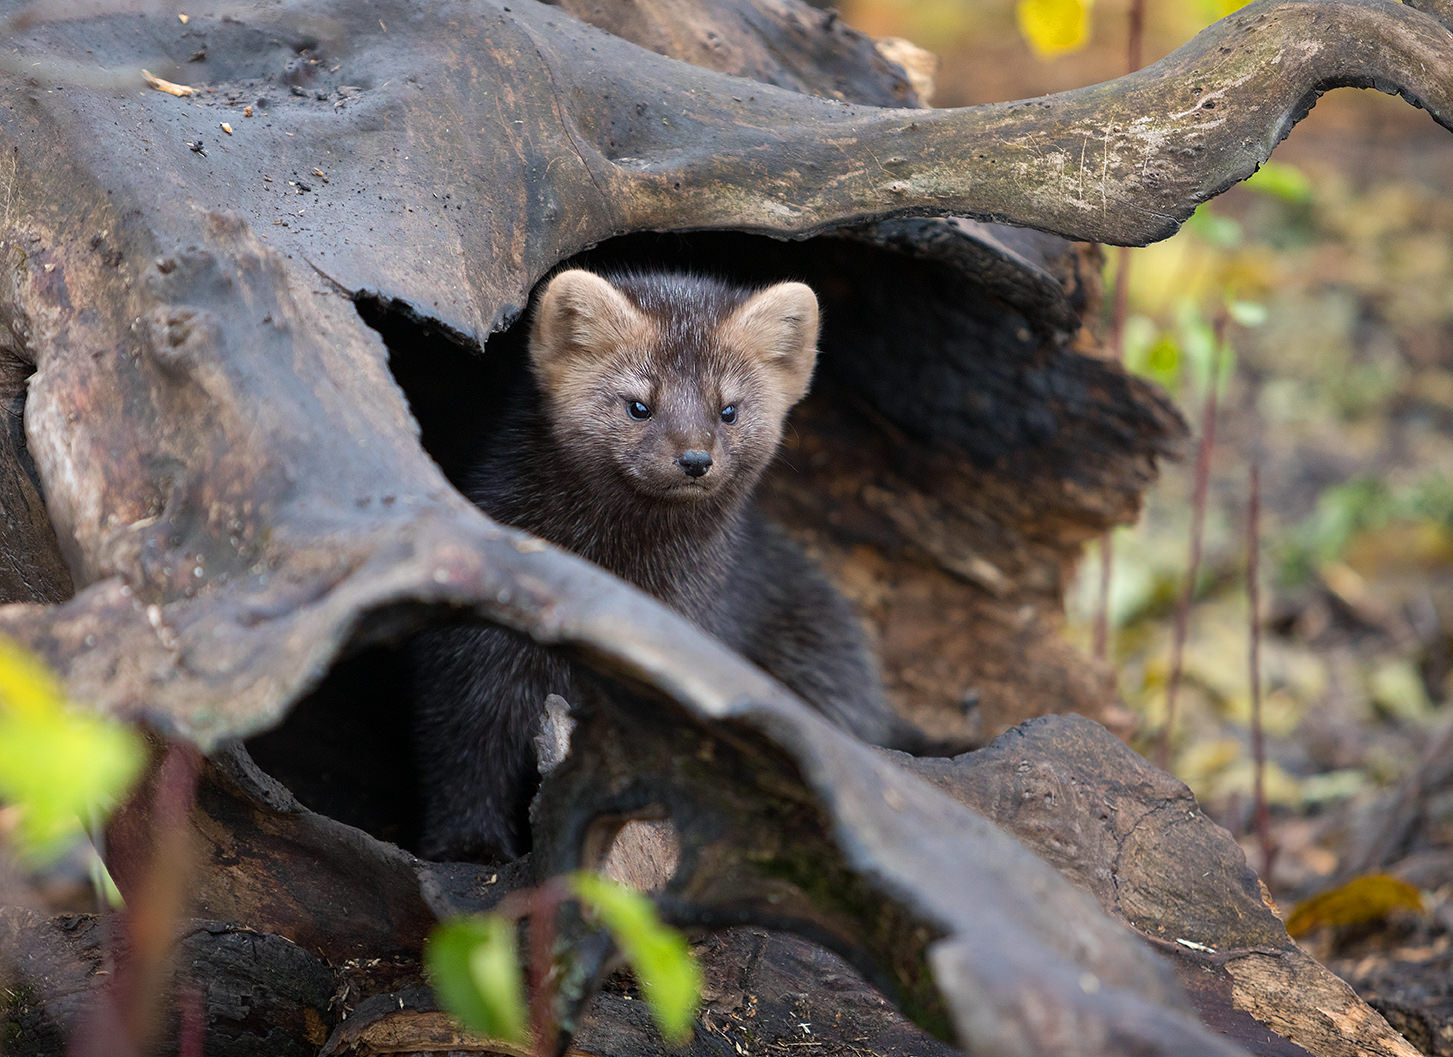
{"x":778,"y":327}
{"x":579,"y":318}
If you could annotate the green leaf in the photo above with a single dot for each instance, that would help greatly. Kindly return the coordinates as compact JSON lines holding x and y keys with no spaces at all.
{"x":1054,"y":27}
{"x":475,"y":969}
{"x":1217,"y":231}
{"x":1163,"y":361}
{"x":1281,"y":180}
{"x":659,"y":955}
{"x":57,"y":765}
{"x":1247,"y":313}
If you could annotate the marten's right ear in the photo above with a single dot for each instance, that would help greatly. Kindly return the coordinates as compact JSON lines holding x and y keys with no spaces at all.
{"x":579,"y":318}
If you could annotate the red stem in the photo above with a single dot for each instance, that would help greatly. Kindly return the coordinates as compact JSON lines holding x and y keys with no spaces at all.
{"x":544,"y":904}
{"x":192,"y":1031}
{"x":1258,"y":739}
{"x":1135,"y":38}
{"x":126,"y":1015}
{"x":1198,"y":526}
{"x":1100,"y":650}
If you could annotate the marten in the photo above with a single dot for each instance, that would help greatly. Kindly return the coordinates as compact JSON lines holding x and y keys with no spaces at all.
{"x":657,"y":401}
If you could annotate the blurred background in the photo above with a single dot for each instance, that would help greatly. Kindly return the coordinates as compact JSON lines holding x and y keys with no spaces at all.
{"x":1303,"y":322}
{"x":1317,"y":298}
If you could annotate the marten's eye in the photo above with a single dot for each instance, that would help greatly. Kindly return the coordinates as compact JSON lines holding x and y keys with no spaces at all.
{"x":729,"y":414}
{"x":637,"y":410}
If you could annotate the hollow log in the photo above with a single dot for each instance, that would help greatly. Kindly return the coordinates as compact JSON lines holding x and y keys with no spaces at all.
{"x":239,"y":496}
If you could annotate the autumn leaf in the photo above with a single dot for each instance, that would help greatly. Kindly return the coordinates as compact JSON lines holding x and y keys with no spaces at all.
{"x":1054,"y":27}
{"x":1371,"y":897}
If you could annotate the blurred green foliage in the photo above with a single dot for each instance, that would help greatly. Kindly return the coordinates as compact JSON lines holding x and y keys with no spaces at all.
{"x":475,"y":966}
{"x":1361,"y":507}
{"x":658,"y":955}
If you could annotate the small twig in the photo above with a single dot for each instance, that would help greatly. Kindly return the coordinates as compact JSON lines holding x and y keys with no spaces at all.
{"x":1135,"y":38}
{"x":126,"y":1018}
{"x":544,"y":905}
{"x":161,"y":84}
{"x":192,"y":1031}
{"x":1198,"y":526}
{"x":1119,"y":310}
{"x":1258,"y":737}
{"x":1100,"y":644}
{"x":1115,"y":341}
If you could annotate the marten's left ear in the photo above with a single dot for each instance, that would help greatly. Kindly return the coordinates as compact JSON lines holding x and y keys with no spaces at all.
{"x":778,"y":326}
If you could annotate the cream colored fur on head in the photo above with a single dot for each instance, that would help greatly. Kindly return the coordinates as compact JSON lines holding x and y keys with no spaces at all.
{"x":778,"y":327}
{"x":582,"y":319}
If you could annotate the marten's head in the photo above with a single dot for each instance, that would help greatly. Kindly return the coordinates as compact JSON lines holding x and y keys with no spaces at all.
{"x":674,"y":384}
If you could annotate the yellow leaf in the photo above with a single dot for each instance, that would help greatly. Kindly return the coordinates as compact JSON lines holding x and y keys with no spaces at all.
{"x":1371,"y":897}
{"x":56,"y":764}
{"x":27,"y":689}
{"x":1054,"y":27}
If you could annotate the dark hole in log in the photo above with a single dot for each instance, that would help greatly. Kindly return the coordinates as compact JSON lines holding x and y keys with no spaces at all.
{"x":31,"y":566}
{"x":343,"y":750}
{"x":917,"y":344}
{"x":934,"y":384}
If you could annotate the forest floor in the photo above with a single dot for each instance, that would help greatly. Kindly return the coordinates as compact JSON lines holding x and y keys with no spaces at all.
{"x":1336,"y":381}
{"x":1343,"y":396}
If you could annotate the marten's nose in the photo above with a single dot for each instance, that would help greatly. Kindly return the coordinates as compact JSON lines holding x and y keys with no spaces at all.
{"x":694,"y":463}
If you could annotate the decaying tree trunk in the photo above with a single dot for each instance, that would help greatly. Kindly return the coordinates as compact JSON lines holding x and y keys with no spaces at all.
{"x":248,"y":358}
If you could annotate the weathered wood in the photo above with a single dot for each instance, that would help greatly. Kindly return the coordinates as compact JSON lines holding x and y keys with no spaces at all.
{"x":1133,"y":837}
{"x":776,"y":42}
{"x":260,"y":993}
{"x":593,"y":164}
{"x":819,"y":838}
{"x":1125,"y":834}
{"x":239,"y":492}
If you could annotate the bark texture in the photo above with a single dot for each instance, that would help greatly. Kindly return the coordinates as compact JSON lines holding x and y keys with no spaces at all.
{"x":240,"y":497}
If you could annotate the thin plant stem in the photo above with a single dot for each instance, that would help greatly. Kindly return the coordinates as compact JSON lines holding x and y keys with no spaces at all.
{"x":1115,"y":342}
{"x":126,"y":1017}
{"x":1258,"y":738}
{"x":1198,"y":527}
{"x":1119,"y":301}
{"x":192,"y":1029}
{"x":544,"y":905}
{"x":1100,"y":644}
{"x":1135,"y":38}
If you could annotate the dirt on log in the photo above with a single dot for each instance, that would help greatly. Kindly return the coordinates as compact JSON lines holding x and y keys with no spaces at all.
{"x":235,"y":348}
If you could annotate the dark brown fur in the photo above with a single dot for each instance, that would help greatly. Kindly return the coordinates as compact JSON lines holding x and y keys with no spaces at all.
{"x":572,"y":465}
